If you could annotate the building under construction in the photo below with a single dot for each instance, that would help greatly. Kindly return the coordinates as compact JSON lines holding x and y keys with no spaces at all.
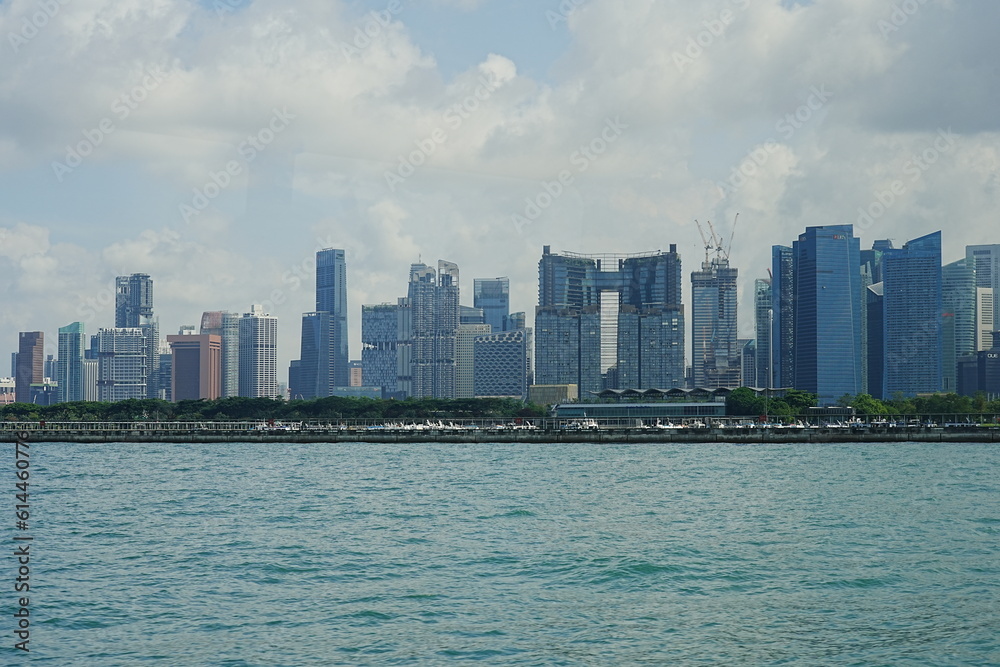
{"x":716,"y":359}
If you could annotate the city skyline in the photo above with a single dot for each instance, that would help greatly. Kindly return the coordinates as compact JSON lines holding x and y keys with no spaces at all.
{"x":523,"y":126}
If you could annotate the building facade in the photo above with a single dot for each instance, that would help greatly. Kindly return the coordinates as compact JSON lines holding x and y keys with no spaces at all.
{"x":69,"y":365}
{"x":715,"y":354}
{"x":493,"y":296}
{"x":379,"y":340}
{"x":783,"y":316}
{"x":331,"y":297}
{"x":433,"y":302}
{"x":503,"y":364}
{"x":258,"y":333}
{"x":123,"y":365}
{"x":226,"y":325}
{"x":196,"y":367}
{"x":30,"y":364}
{"x":827,"y":312}
{"x":763,"y":324}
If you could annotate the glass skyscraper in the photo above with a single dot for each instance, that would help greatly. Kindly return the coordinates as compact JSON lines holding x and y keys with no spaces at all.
{"x":716,"y":355}
{"x":762,"y":326}
{"x":912,"y":317}
{"x":827,"y":313}
{"x":493,"y":296}
{"x":783,"y":316}
{"x":227,"y":325}
{"x":431,"y":326}
{"x":331,"y":297}
{"x":258,"y":354}
{"x":69,"y":366}
{"x":134,"y":308}
{"x":379,"y":336}
{"x":958,"y":299}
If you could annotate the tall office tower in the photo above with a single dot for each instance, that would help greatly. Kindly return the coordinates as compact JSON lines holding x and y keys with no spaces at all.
{"x":122,"y":363}
{"x":404,"y":348}
{"x":912,"y":317}
{"x":871,"y":273}
{"x":958,"y":299}
{"x":609,"y":316}
{"x":434,"y":319}
{"x":13,"y":364}
{"x":379,"y":340}
{"x":763,"y":315}
{"x":985,"y":262}
{"x":331,"y":297}
{"x":258,"y":354}
{"x":69,"y":367}
{"x":493,"y":296}
{"x":227,"y":325}
{"x":748,"y":359}
{"x":134,"y":308}
{"x":715,"y":359}
{"x":465,"y":348}
{"x":49,"y":367}
{"x":875,"y":361}
{"x":315,"y":375}
{"x":30,"y":364}
{"x":196,"y":367}
{"x":783,"y":316}
{"x":986,"y":320}
{"x":503,"y":364}
{"x":518,"y":320}
{"x":470,"y":315}
{"x":828,"y":312}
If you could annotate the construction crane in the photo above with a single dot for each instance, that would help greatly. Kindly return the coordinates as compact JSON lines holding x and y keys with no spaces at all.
{"x":714,"y":241}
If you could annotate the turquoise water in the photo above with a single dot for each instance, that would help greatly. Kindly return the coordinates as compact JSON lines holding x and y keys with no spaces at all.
{"x":514,"y":554}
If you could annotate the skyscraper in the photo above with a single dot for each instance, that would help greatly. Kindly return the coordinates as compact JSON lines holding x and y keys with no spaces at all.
{"x":331,"y":297}
{"x":30,"y":364}
{"x":134,"y":308}
{"x":986,"y":320}
{"x":985,"y":262}
{"x":503,"y":364}
{"x":716,"y":358}
{"x":763,"y":315}
{"x":122,"y":363}
{"x":827,"y":312}
{"x":465,"y":350}
{"x":258,"y":354}
{"x":912,"y":317}
{"x":196,"y":366}
{"x":379,"y":339}
{"x":609,"y":316}
{"x":315,"y":376}
{"x":433,"y":301}
{"x":69,"y":366}
{"x":226,"y":325}
{"x":493,"y":296}
{"x":783,"y":316}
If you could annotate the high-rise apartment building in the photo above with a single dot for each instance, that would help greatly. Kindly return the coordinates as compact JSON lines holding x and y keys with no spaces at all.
{"x":30,"y":364}
{"x":493,"y":296}
{"x":912,"y":314}
{"x":69,"y":365}
{"x":985,"y":262}
{"x":196,"y":366}
{"x":783,"y":316}
{"x":827,"y":312}
{"x":379,"y":340}
{"x":763,"y":315}
{"x":258,"y":333}
{"x":609,"y":319}
{"x":134,"y":308}
{"x":122,"y":363}
{"x":226,"y":325}
{"x":715,"y":354}
{"x":503,"y":364}
{"x":433,"y":320}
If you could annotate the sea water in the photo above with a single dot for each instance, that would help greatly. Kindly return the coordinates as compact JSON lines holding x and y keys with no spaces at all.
{"x":512,"y":554}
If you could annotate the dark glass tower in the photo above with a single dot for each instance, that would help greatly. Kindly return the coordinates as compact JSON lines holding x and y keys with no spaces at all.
{"x":331,"y":297}
{"x":912,"y":317}
{"x":493,"y":296}
{"x":827,"y":268}
{"x":783,"y":319}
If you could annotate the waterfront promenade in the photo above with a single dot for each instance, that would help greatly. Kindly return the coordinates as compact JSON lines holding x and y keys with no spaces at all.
{"x":535,"y":431}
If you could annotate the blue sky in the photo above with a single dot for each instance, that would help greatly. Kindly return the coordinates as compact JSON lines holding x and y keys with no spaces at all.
{"x":699,"y":92}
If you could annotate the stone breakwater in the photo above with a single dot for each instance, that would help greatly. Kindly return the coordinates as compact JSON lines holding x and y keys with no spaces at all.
{"x":817,"y":435}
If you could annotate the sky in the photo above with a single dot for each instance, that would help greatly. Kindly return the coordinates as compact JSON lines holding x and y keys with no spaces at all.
{"x":216,"y":145}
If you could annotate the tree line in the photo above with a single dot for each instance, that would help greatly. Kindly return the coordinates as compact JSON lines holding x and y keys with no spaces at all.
{"x":745,"y":402}
{"x":241,"y":408}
